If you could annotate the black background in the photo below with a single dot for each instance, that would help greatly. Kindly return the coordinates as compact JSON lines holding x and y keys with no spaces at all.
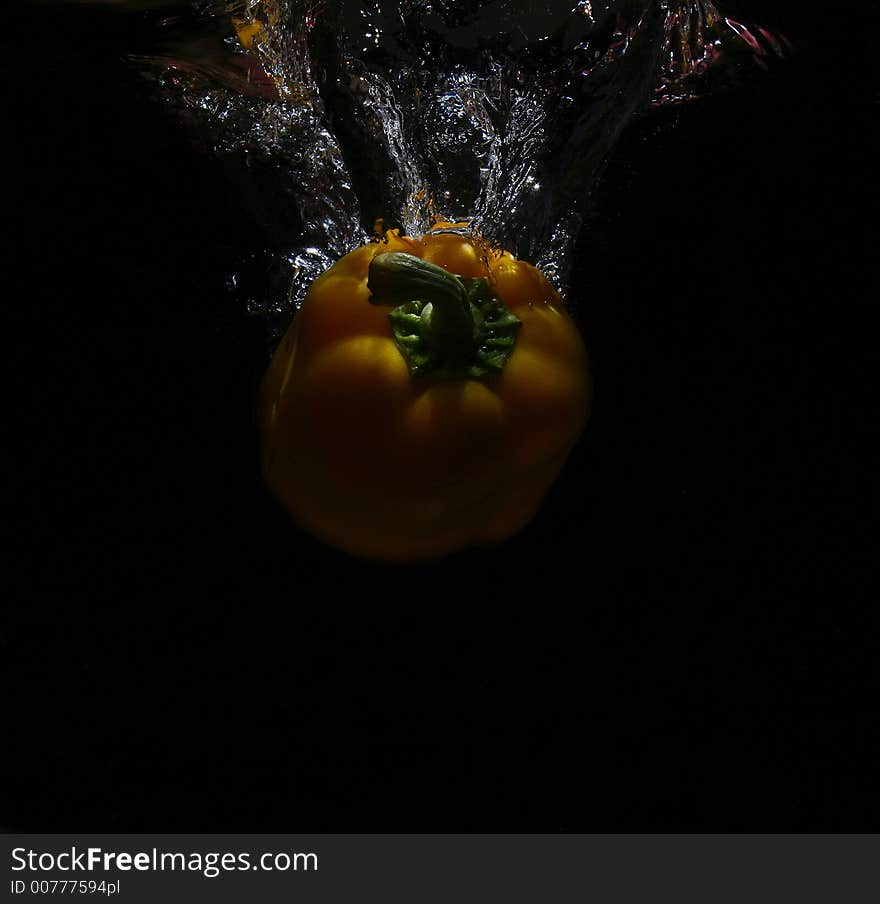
{"x":683,"y":639}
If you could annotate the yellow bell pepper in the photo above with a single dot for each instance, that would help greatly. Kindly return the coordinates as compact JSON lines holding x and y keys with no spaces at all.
{"x":424,"y":398}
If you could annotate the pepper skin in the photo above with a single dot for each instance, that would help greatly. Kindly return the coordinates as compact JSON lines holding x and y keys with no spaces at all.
{"x":391,"y":466}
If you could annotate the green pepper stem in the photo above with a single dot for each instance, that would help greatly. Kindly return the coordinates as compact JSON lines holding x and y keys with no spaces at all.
{"x":446,"y":326}
{"x":446,"y":321}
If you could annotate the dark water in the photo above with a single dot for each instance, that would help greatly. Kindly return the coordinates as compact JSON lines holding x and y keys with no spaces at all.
{"x":684,"y":638}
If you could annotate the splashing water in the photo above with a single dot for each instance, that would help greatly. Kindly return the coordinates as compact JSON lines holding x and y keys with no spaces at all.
{"x":497,"y":116}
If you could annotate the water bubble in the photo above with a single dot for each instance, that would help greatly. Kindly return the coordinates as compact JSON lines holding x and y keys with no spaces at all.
{"x":414,"y":112}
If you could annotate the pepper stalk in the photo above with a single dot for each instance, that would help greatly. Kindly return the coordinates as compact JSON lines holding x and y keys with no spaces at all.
{"x":446,"y":326}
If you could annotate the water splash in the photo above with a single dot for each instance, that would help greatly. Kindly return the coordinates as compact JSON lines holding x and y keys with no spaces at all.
{"x":410,"y":113}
